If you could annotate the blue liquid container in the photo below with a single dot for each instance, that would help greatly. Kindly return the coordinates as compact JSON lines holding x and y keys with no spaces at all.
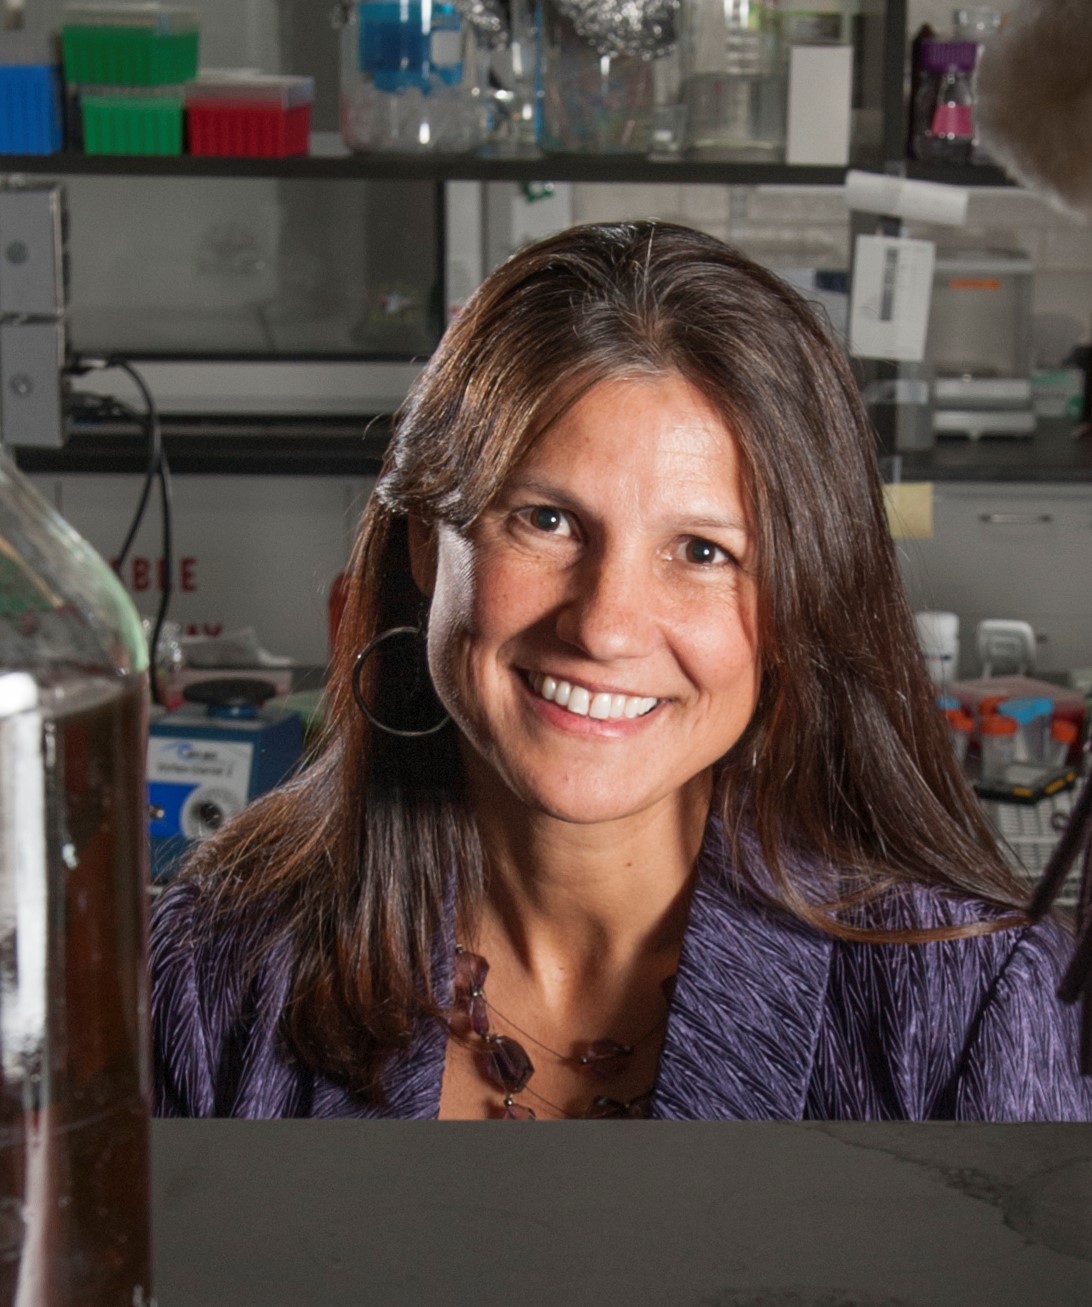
{"x":403,"y":46}
{"x":409,"y":78}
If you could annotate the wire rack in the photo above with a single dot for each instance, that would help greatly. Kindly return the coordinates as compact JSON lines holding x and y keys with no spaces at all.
{"x":1028,"y":835}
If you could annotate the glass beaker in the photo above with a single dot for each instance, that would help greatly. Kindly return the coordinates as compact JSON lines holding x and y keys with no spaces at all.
{"x":980,"y":24}
{"x":596,"y":98}
{"x":74,"y":1057}
{"x":510,"y":78}
{"x":734,"y":78}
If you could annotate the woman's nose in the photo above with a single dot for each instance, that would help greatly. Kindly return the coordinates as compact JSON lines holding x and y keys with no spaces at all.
{"x":609,"y":610}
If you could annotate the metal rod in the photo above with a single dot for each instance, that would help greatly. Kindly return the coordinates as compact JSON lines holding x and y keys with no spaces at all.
{"x":1077,"y":980}
{"x":1067,"y":848}
{"x":1016,"y":519}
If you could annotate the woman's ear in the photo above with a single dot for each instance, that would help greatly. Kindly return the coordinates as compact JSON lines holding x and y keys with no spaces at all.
{"x":422,"y":555}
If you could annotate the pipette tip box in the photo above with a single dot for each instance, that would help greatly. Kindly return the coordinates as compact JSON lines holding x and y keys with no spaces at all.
{"x":131,"y":120}
{"x":129,"y":44}
{"x":249,"y":115}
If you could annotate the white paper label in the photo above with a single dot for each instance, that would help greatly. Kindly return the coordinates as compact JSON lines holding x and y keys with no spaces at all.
{"x":445,"y":47}
{"x":907,"y":198}
{"x":889,"y":303}
{"x":24,"y":877}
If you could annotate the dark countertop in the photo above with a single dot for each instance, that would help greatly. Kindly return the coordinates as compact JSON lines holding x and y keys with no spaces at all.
{"x":1055,"y":453}
{"x":691,"y":1214}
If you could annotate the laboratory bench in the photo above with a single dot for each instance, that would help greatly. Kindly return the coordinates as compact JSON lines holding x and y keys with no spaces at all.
{"x":1059,"y":451}
{"x":692,"y":1214}
{"x":1056,"y":452}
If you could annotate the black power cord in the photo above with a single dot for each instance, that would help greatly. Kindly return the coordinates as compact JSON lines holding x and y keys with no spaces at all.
{"x":157,"y":470}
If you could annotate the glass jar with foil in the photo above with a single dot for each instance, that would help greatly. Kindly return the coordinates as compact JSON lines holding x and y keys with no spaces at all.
{"x":410,"y":77}
{"x":734,"y":79}
{"x":598,"y":85}
{"x":74,"y":1057}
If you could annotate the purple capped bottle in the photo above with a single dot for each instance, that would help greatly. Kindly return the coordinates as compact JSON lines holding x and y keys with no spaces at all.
{"x":943,"y":111}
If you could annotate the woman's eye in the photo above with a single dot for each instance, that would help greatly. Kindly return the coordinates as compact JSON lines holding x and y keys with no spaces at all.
{"x":551,"y":520}
{"x":704,"y":553}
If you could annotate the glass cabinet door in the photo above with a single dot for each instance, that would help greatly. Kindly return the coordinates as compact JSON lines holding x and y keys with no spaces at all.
{"x":199,"y":267}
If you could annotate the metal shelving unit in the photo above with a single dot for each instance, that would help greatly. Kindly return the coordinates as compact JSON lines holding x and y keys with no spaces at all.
{"x":881,"y":76}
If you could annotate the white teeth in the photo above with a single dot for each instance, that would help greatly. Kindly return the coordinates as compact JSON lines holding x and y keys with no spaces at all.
{"x":602,"y":705}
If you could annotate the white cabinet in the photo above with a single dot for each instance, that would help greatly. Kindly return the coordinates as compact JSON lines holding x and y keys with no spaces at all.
{"x":1016,"y":551}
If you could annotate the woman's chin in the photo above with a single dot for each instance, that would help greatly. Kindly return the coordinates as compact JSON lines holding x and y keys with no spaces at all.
{"x":577,"y":798}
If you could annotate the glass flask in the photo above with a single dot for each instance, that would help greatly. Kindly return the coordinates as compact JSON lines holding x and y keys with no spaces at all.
{"x":74,"y":1050}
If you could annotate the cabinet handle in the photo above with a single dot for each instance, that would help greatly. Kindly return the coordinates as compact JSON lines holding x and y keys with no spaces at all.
{"x":1016,"y":519}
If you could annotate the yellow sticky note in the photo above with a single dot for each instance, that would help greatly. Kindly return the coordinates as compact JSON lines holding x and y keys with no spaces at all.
{"x":910,"y":510}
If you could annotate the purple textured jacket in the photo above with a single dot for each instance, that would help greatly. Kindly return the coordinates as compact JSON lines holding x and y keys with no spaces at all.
{"x":769,"y":1019}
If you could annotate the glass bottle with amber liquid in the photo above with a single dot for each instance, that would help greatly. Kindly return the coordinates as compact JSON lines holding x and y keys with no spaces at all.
{"x":74,"y":1056}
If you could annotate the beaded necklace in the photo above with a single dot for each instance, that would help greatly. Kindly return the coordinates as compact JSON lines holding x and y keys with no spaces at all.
{"x":506,"y":1065}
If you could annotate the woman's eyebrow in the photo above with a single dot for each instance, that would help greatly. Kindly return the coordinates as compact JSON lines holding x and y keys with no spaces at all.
{"x":528,"y":484}
{"x":715,"y":522}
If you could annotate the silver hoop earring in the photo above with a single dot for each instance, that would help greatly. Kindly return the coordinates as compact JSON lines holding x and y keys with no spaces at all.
{"x":361,"y":658}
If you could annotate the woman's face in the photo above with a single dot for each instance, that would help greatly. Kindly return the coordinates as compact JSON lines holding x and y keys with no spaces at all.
{"x":592,"y":634}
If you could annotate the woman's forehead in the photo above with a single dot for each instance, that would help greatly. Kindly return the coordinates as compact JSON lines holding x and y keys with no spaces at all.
{"x":655,"y":439}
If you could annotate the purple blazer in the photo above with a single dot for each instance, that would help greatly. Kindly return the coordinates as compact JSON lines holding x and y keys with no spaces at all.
{"x":769,"y":1019}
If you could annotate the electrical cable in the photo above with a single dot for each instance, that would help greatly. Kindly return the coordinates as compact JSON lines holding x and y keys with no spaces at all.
{"x":167,"y":555}
{"x":157,"y":469}
{"x":155,"y":453}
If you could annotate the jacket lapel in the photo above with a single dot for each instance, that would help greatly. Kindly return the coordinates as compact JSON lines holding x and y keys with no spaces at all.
{"x":746,"y":1009}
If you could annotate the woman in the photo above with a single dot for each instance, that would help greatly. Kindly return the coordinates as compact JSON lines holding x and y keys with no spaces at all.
{"x":633,"y":800}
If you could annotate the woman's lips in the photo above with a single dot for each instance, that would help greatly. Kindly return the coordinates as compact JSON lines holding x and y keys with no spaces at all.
{"x":601,"y":705}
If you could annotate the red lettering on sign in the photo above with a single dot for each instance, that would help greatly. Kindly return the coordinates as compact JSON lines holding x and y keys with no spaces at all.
{"x":143,"y":573}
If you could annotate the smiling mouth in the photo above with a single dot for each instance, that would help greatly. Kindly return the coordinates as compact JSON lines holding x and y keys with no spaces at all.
{"x":602,"y":705}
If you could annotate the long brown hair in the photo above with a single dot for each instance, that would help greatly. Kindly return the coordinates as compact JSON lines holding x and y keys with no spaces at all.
{"x":845,"y":763}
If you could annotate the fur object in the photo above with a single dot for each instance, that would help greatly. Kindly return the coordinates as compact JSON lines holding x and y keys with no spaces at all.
{"x":1033,"y":108}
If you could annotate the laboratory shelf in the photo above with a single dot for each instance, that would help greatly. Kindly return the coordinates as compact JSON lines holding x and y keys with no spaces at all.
{"x":331,"y":164}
